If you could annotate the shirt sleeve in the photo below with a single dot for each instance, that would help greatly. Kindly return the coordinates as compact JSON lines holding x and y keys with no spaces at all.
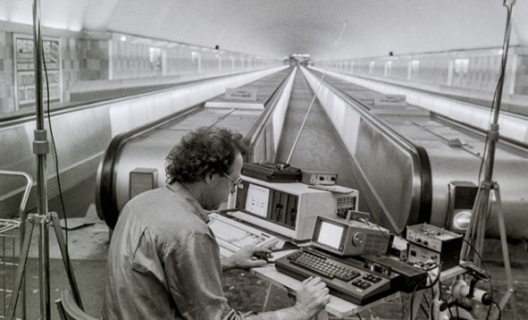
{"x":194,"y":276}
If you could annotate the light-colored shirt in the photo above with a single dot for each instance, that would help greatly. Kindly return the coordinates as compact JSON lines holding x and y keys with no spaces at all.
{"x":163,"y":261}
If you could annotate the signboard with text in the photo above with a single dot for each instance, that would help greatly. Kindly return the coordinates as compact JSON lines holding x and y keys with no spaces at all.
{"x":24,"y":58}
{"x":247,"y":94}
{"x":395,"y":100}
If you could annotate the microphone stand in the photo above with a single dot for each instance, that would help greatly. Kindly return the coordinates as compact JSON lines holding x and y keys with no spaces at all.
{"x":43,"y":217}
{"x":481,"y":209}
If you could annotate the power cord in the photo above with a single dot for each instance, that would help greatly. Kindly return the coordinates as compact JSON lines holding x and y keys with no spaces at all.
{"x":434,"y":282}
{"x":54,"y":147}
{"x":498,"y":307}
{"x":488,"y":275}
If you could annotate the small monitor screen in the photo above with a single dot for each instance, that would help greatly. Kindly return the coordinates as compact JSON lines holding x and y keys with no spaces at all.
{"x":330,"y":234}
{"x":257,"y":200}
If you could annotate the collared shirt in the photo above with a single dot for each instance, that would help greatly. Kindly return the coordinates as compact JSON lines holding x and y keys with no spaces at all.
{"x":163,"y":261}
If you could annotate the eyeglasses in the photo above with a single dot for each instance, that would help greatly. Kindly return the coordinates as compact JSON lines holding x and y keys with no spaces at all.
{"x":235,"y":182}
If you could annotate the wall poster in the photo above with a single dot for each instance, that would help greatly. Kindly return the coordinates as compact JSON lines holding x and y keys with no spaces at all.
{"x":25,"y":70}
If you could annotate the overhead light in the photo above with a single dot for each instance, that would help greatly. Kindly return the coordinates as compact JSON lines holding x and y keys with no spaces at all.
{"x":122,"y":38}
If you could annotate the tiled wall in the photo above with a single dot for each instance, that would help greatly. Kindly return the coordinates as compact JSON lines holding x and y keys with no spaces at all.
{"x":131,"y":60}
{"x":179,"y":60}
{"x":81,"y":60}
{"x":91,"y":62}
{"x":475,"y":71}
{"x":94,"y":59}
{"x":7,"y":97}
{"x":521,"y":76}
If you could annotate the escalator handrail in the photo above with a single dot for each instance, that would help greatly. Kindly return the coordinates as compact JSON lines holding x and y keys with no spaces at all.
{"x":105,"y":195}
{"x":258,"y":128}
{"x":16,"y":119}
{"x":423,"y":206}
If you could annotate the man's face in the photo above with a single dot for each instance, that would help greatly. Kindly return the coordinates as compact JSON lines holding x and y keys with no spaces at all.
{"x":223,"y":185}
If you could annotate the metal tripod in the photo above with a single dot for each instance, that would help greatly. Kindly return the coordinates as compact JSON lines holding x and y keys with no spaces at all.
{"x":481,"y":209}
{"x":43,"y":223}
{"x":475,"y":234}
{"x":43,"y":218}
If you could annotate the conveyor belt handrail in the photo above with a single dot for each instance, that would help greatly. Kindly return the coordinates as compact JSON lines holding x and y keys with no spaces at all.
{"x":257,"y":129}
{"x":420,"y":208}
{"x":105,"y":193}
{"x":9,"y":120}
{"x":105,"y":196}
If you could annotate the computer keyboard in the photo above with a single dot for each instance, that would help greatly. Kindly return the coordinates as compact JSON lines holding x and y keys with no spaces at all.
{"x":345,"y":277}
{"x":233,"y":235}
{"x":319,"y":264}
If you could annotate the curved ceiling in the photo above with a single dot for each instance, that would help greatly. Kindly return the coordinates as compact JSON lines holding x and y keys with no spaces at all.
{"x":279,"y":28}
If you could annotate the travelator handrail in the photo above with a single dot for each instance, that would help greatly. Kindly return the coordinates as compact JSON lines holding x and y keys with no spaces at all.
{"x":421,"y":200}
{"x":105,"y":195}
{"x":9,"y":120}
{"x":258,"y":130}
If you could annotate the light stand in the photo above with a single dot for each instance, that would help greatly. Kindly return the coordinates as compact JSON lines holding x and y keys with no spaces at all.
{"x":481,"y":209}
{"x":43,"y":218}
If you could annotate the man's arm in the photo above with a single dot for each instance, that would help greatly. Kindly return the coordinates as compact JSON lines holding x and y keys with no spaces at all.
{"x":194,"y":278}
{"x":312,"y":297}
{"x":244,"y":259}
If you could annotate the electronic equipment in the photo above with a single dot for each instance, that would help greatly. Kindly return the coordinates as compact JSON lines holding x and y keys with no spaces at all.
{"x":272,"y":172}
{"x":430,"y":243}
{"x":233,"y":235}
{"x":288,"y":209}
{"x":464,"y":292}
{"x":318,"y":178}
{"x":409,"y":278}
{"x":349,"y":237}
{"x":347,"y":278}
{"x":462,"y":195}
{"x":426,"y":258}
{"x":434,"y":238}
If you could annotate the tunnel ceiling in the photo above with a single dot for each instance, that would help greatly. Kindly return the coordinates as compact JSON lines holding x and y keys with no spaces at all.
{"x":279,"y":28}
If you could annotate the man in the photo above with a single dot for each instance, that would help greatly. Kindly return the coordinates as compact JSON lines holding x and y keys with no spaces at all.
{"x":164,"y":262}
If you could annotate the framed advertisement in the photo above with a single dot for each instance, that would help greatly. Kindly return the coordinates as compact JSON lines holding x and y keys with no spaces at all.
{"x":24,"y":64}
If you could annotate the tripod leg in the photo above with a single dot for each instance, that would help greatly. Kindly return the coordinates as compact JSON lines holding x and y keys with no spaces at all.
{"x":66,"y":259}
{"x":506,"y":256}
{"x":471,"y":232}
{"x":21,"y":268}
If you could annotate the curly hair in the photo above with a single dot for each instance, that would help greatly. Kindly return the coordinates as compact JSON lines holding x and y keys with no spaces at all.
{"x":203,"y":151}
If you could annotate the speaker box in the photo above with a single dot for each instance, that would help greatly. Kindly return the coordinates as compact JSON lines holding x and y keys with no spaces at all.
{"x":462,"y":195}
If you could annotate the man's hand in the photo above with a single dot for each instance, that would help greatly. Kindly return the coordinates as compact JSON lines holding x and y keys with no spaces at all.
{"x":245,"y":259}
{"x":312,"y":297}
